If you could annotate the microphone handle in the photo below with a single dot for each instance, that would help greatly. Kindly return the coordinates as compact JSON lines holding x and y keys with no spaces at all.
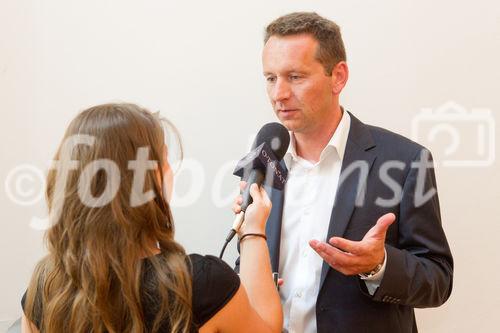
{"x":256,"y":176}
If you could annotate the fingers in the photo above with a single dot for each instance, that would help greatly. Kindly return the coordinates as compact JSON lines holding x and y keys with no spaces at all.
{"x":383,"y":223}
{"x":346,"y":245}
{"x":259,"y":194}
{"x":236,"y":209}
{"x":343,"y":262}
{"x":265,"y":197}
{"x":386,"y":220}
{"x":255,"y":192}
{"x":333,"y":256}
{"x":354,"y":257}
{"x":262,"y":192}
{"x":237,"y":204}
{"x":259,"y":197}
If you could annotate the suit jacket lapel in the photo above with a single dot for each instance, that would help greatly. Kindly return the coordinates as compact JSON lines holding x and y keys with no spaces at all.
{"x":273,"y":228}
{"x":359,"y":143}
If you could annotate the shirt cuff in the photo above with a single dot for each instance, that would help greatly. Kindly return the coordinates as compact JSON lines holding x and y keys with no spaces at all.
{"x":373,"y":282}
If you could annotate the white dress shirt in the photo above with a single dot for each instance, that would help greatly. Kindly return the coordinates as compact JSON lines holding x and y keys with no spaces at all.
{"x":309,"y":197}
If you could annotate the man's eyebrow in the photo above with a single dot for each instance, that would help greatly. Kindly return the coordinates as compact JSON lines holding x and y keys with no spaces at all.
{"x":292,"y":71}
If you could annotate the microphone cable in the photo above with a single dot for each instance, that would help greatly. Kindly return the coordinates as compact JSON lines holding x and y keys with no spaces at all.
{"x":238,"y":221}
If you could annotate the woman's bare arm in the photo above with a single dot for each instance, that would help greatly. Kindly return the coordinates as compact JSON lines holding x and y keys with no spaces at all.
{"x":256,"y":306}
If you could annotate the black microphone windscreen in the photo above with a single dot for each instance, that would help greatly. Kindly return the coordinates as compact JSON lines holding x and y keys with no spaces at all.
{"x":277,"y":138}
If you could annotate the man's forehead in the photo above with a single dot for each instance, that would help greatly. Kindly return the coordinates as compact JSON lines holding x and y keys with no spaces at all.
{"x":287,"y":50}
{"x":299,"y":42}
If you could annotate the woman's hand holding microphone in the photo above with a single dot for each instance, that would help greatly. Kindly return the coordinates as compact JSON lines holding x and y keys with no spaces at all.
{"x":256,"y":213}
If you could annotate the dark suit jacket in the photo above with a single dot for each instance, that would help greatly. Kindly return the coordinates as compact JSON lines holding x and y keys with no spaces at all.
{"x":419,"y":267}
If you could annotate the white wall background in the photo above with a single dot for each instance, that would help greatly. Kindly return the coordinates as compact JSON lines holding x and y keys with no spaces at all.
{"x":199,"y":63}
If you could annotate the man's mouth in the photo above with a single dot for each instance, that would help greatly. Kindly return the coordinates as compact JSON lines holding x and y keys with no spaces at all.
{"x":287,"y":114}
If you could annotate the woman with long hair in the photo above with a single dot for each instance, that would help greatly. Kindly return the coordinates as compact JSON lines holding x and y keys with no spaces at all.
{"x":113,"y":264}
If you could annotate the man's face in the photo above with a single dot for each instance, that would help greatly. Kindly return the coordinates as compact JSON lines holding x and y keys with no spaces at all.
{"x":299,"y":90}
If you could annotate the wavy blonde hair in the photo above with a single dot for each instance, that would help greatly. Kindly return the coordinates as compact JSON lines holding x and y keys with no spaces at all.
{"x":91,"y":279}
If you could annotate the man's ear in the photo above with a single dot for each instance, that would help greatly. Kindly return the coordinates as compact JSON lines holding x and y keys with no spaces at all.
{"x":340,"y":74}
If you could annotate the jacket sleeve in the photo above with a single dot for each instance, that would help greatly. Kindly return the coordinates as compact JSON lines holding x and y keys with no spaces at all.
{"x":419,"y":271}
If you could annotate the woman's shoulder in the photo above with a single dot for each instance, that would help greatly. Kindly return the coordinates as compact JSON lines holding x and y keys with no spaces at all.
{"x":210,"y":271}
{"x":207,"y":260}
{"x":214,"y":284}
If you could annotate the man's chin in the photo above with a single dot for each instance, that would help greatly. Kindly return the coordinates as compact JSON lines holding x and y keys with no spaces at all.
{"x":291,"y":125}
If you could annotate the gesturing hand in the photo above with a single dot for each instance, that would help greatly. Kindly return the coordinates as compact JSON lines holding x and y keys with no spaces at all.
{"x":350,"y":257}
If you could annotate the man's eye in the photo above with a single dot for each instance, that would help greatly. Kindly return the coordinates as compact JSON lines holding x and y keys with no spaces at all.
{"x":270,"y":79}
{"x":294,"y":77}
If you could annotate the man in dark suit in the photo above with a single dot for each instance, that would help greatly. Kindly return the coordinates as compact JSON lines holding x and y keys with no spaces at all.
{"x":356,"y":235}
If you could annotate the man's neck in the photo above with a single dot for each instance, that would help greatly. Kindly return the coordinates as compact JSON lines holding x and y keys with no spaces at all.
{"x":310,"y":145}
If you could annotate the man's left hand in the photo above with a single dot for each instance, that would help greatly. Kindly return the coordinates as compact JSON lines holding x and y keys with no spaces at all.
{"x":350,"y":257}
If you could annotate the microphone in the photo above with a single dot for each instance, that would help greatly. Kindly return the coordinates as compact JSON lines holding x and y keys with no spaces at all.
{"x":261,"y":165}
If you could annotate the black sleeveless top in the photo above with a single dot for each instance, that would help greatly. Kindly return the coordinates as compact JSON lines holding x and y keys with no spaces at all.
{"x":214,"y":284}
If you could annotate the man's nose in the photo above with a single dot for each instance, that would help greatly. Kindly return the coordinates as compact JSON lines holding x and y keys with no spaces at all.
{"x":281,"y":90}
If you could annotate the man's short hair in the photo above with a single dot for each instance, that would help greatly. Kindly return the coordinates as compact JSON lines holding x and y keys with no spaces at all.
{"x":331,"y":48}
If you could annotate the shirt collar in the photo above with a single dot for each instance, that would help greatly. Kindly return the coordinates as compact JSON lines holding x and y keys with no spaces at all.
{"x":338,"y":141}
{"x":339,"y":137}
